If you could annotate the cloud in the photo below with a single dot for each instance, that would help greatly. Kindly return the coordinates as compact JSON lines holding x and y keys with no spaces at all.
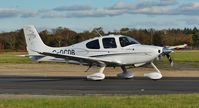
{"x":99,"y":12}
{"x":162,"y":7}
{"x":160,"y":4}
{"x":13,"y":12}
{"x":143,"y":4}
{"x":153,"y":24}
{"x":122,"y":5}
{"x":188,"y":9}
{"x":73,"y":8}
{"x":119,"y":8}
{"x":163,"y":3}
{"x":144,"y":7}
{"x":152,"y":11}
{"x":168,"y":2}
{"x":52,"y":14}
{"x":191,"y":6}
{"x":8,"y":12}
{"x":28,"y":14}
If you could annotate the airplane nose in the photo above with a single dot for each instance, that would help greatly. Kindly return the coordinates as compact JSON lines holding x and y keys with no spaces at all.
{"x":166,"y":51}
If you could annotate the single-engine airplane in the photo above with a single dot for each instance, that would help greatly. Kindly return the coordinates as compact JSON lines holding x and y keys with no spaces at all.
{"x":102,"y":51}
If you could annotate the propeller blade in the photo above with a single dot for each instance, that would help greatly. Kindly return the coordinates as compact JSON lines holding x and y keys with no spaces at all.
{"x":170,"y":60}
{"x":166,"y":51}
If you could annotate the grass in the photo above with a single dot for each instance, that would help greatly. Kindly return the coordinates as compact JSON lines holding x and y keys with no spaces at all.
{"x":186,"y":56}
{"x":11,"y":57}
{"x":155,"y":101}
{"x":177,"y":56}
{"x":182,"y":56}
{"x":195,"y":65}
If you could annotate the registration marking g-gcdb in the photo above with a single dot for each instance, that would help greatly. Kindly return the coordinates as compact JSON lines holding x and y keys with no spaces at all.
{"x":65,"y":51}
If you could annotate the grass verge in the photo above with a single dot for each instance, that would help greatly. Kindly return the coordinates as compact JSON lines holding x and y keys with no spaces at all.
{"x":155,"y":101}
{"x":12,"y":57}
{"x":186,"y":55}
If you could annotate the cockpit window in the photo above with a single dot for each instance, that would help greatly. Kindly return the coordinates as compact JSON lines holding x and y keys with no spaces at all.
{"x":125,"y":41}
{"x":93,"y":44}
{"x":109,"y":43}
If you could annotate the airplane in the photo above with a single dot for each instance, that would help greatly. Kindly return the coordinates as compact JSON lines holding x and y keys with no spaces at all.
{"x":103,"y":51}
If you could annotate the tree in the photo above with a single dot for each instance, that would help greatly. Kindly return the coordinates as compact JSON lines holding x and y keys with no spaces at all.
{"x":195,"y":40}
{"x":157,"y":39}
{"x":11,"y":41}
{"x":46,"y":37}
{"x":64,"y":36}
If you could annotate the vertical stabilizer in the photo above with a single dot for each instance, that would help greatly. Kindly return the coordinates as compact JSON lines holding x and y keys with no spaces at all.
{"x":33,"y":41}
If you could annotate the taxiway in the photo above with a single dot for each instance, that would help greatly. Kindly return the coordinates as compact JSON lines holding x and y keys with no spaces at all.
{"x":40,"y":85}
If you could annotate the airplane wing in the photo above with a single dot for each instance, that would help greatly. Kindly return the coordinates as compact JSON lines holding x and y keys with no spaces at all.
{"x":81,"y":59}
{"x":177,"y":47}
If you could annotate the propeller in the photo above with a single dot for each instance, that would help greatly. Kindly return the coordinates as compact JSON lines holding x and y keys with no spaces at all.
{"x":166,"y":51}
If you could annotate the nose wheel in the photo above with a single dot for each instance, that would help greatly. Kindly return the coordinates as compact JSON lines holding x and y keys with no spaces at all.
{"x":154,"y":75}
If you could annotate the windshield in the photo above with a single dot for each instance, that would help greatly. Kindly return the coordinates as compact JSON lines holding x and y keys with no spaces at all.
{"x":125,"y":41}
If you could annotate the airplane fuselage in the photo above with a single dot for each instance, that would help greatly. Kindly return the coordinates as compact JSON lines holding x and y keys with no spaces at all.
{"x":126,"y":55}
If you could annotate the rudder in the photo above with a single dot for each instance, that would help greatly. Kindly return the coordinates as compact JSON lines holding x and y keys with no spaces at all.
{"x":33,"y":41}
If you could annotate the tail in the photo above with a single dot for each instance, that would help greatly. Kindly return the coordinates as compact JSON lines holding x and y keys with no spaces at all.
{"x":33,"y":42}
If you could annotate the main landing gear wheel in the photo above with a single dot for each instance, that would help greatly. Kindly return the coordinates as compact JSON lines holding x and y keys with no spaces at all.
{"x":125,"y":74}
{"x":97,"y":76}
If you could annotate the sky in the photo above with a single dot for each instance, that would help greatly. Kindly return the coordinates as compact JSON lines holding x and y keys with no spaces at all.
{"x":82,"y":15}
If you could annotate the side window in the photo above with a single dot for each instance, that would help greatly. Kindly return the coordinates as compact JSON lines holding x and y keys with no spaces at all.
{"x":109,"y":43}
{"x":93,"y":44}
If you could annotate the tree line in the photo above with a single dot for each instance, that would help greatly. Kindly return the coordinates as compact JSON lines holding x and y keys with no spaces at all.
{"x":61,"y":36}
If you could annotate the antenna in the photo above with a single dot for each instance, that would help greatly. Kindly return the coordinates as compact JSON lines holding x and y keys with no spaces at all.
{"x":98,"y":33}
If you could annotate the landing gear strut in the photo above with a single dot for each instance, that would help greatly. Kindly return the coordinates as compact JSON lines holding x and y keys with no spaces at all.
{"x":154,"y":75}
{"x":125,"y":74}
{"x":97,"y":76}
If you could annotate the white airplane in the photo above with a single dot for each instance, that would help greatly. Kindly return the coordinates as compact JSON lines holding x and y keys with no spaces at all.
{"x":103,"y":51}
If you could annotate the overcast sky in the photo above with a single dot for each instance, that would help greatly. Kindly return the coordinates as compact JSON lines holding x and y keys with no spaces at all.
{"x":80,"y":15}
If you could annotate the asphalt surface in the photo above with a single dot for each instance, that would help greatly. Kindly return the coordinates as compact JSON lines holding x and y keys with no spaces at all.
{"x":110,"y":86}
